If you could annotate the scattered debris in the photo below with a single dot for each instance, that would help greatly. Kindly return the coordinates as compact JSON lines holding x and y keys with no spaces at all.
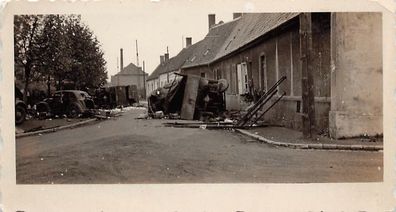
{"x":142,"y":116}
{"x":228,"y":120}
{"x":203,"y":126}
{"x":158,"y":114}
{"x":190,"y":96}
{"x":254,"y":113}
{"x":240,"y":120}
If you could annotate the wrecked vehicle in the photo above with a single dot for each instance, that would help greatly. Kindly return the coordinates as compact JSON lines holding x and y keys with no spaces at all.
{"x":71,"y":103}
{"x":191,"y":96}
{"x":20,"y":107}
{"x":115,"y":96}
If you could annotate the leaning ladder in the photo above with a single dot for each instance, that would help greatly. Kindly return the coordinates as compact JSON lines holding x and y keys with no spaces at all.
{"x":247,"y":119}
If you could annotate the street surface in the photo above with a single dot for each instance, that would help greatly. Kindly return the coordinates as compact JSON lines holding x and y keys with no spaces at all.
{"x":128,"y":150}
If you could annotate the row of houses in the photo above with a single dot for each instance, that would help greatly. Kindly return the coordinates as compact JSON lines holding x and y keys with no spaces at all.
{"x":254,"y":50}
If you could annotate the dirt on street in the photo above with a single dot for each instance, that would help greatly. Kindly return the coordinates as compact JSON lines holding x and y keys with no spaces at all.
{"x":129,"y":150}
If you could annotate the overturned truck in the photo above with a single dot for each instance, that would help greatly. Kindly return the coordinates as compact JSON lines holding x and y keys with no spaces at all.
{"x":189,"y":97}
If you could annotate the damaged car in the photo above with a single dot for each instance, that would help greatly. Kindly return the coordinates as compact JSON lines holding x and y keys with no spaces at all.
{"x":20,"y":107}
{"x":72,"y":103}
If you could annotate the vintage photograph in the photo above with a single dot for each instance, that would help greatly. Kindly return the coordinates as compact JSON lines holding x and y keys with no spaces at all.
{"x":240,"y":97}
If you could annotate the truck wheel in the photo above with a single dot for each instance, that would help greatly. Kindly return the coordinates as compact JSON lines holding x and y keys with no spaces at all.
{"x":20,"y":114}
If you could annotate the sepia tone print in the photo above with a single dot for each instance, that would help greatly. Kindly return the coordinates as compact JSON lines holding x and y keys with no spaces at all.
{"x":260,"y":98}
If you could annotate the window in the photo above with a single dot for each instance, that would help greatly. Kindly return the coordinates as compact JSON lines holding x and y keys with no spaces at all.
{"x":242,"y":78}
{"x":263,"y":73}
{"x":217,"y":74}
{"x":203,"y":74}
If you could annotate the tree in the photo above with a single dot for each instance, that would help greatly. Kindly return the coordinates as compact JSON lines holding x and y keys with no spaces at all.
{"x":56,"y":48}
{"x":27,"y":30}
{"x":89,"y":66}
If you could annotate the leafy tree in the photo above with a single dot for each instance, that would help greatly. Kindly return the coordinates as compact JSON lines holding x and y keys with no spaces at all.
{"x":89,"y":66}
{"x":27,"y":32}
{"x":56,"y":61}
{"x":52,"y":48}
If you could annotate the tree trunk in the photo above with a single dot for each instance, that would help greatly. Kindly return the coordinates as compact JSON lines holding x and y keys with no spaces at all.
{"x":59,"y":87}
{"x":27,"y":78}
{"x":307,"y":79}
{"x":49,"y":85}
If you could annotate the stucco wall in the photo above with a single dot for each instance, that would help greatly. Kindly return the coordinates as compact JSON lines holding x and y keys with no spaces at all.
{"x":356,"y":79}
{"x":125,"y":80}
{"x":151,"y":85}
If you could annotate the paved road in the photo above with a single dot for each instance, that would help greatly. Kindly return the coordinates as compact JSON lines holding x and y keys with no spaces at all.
{"x":127,"y":150}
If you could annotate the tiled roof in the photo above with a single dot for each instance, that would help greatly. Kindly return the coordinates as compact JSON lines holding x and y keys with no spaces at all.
{"x":206,"y":51}
{"x":250,"y":27}
{"x":130,"y":69}
{"x":224,"y":39}
{"x":174,"y":63}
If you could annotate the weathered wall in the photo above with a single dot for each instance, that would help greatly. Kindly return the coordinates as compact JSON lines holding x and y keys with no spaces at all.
{"x":198,"y":70}
{"x":163,"y":79}
{"x":281,"y":58}
{"x":151,"y":85}
{"x":356,"y":78}
{"x":124,"y":80}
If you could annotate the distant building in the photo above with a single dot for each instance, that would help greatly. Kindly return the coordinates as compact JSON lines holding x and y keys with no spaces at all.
{"x":130,"y":75}
{"x":164,"y":73}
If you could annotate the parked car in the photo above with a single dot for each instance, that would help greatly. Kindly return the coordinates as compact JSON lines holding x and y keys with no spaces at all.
{"x":20,"y":107}
{"x":71,"y":103}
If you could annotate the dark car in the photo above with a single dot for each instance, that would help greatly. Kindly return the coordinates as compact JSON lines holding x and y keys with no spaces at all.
{"x":20,"y":107}
{"x":67,"y":102}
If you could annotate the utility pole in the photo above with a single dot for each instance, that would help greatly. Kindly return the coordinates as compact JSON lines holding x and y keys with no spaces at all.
{"x":137,"y":64}
{"x":144,"y":80}
{"x":137,"y":54}
{"x":307,"y":81}
{"x":118,"y":68}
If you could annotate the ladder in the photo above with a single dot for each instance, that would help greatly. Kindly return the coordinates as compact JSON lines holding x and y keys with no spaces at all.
{"x":248,"y":119}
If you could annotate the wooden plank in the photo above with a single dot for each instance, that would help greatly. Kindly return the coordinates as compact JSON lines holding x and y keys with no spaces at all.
{"x":306,"y":53}
{"x":189,"y":98}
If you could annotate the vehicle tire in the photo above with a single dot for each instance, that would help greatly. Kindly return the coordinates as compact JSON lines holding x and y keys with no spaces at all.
{"x":90,"y":104}
{"x":20,"y":114}
{"x":73,"y":111}
{"x":43,"y":110}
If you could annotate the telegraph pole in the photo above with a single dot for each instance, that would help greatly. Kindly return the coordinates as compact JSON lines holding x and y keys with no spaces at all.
{"x":118,"y":68}
{"x":137,"y":54}
{"x":144,"y":80}
{"x":308,"y":96}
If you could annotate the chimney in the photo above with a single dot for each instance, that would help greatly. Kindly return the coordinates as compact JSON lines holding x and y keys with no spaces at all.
{"x":188,"y":41}
{"x":121,"y":60}
{"x":212,"y":20}
{"x":166,"y":57}
{"x":236,"y":15}
{"x":162,"y":59}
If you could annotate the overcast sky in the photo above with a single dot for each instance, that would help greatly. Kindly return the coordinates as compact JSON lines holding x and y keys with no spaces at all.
{"x":155,"y":25}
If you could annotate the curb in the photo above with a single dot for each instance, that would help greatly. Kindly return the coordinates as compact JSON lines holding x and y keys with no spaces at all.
{"x":55,"y":128}
{"x":313,"y":146}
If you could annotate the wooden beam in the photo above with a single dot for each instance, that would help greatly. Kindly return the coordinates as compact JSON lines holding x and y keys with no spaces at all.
{"x":307,"y":80}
